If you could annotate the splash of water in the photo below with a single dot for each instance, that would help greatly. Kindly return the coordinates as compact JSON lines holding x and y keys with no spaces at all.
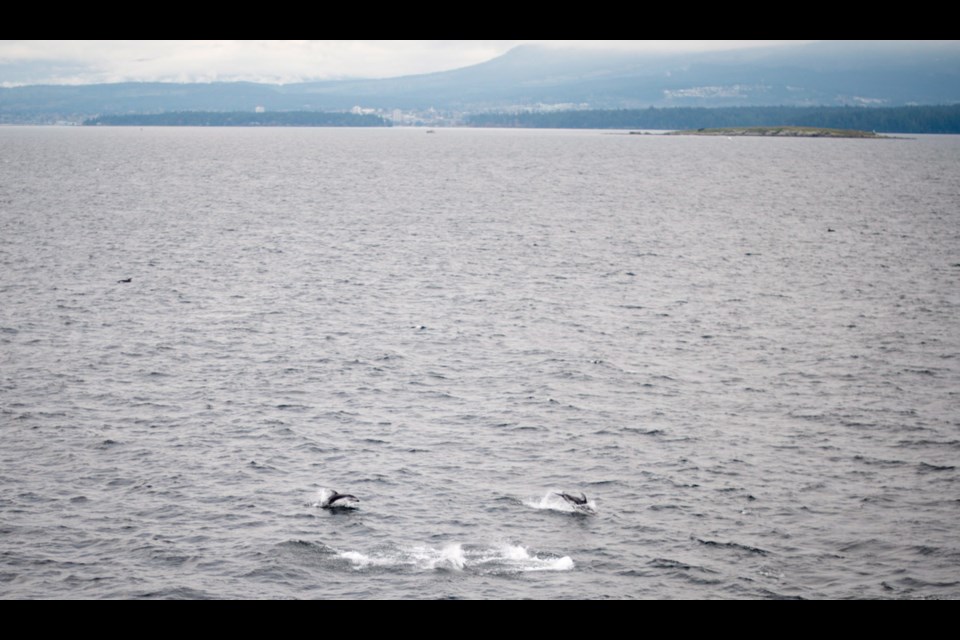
{"x":454,"y":557}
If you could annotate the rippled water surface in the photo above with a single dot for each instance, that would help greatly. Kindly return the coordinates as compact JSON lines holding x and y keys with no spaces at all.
{"x":743,"y":351}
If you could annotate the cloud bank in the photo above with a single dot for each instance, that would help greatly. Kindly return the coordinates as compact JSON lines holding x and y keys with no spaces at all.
{"x":272,"y":61}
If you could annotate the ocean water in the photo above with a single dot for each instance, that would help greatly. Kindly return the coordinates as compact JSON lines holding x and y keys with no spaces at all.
{"x":745,"y":352}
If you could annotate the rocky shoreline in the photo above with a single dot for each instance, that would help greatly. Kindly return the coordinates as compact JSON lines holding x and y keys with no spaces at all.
{"x":780,"y":132}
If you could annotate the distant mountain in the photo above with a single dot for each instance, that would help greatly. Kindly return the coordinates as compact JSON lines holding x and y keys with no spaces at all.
{"x":539,"y":78}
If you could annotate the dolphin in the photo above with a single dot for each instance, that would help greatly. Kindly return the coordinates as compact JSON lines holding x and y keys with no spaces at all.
{"x":574,"y":500}
{"x":338,"y":500}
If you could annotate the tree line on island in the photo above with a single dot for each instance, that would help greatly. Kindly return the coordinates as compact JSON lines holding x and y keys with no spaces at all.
{"x":912,"y":119}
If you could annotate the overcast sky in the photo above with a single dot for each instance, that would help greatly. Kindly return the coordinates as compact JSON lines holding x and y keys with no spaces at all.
{"x":94,"y":61}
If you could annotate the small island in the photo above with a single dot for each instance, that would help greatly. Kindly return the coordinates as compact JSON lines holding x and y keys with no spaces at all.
{"x":780,"y":132}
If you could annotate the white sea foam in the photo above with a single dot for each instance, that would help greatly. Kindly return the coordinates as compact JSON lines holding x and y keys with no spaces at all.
{"x":481,"y":559}
{"x":452,"y":556}
{"x":518,"y":558}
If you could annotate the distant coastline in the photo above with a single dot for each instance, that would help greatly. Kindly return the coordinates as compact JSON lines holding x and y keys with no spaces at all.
{"x":241,"y":119}
{"x":859,"y":122}
{"x":912,"y":119}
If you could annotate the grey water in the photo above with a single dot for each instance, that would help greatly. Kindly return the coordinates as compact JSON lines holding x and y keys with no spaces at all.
{"x":745,"y":352}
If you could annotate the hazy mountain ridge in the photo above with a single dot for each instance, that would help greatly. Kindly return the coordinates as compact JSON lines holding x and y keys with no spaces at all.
{"x":532,"y":77}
